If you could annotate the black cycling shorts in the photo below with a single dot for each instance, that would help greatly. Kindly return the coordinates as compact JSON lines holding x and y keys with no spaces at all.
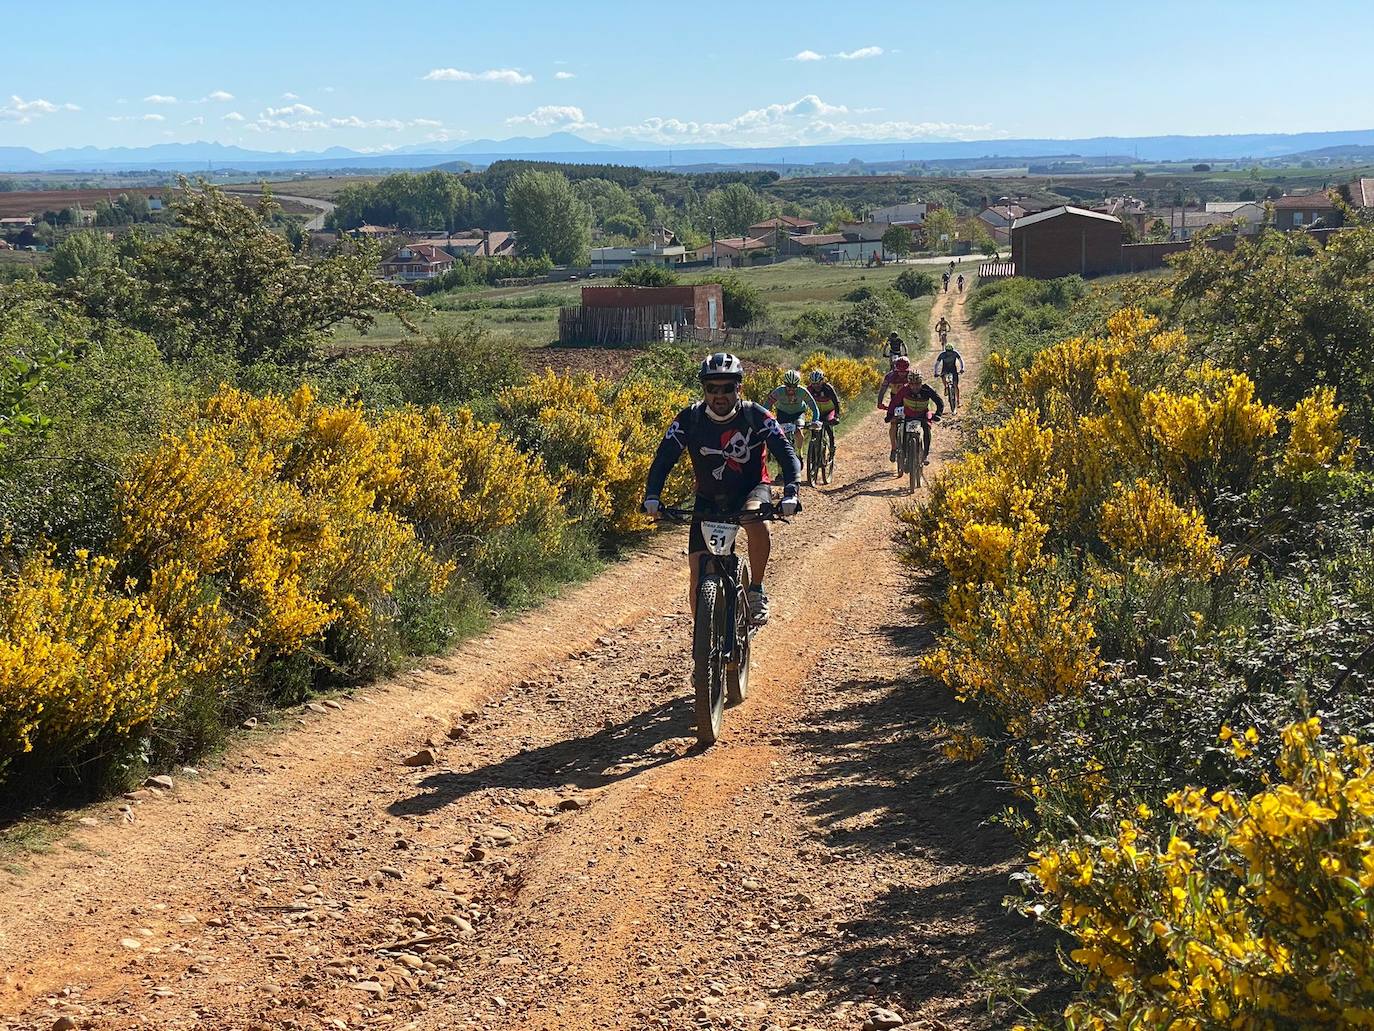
{"x":705,"y":505}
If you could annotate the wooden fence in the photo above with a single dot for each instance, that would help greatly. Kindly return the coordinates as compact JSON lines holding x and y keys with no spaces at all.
{"x":617,"y":326}
{"x":733,"y":339}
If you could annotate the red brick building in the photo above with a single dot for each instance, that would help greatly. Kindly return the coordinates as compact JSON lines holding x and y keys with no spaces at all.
{"x":704,"y":303}
{"x":1302,"y":211}
{"x":1066,"y":241}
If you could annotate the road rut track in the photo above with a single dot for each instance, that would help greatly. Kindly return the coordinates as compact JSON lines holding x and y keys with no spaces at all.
{"x":571,"y":860}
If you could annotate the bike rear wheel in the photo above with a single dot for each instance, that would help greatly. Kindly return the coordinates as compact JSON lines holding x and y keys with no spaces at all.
{"x":828,"y":455}
{"x":737,"y":672}
{"x":708,"y":661}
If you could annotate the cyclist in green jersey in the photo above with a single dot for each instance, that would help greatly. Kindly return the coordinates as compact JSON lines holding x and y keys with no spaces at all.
{"x":791,"y":403}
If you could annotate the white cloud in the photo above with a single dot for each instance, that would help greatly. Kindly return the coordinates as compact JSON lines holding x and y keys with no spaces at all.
{"x":159,"y":98}
{"x":807,"y":55}
{"x":233,"y":116}
{"x":563,"y":116}
{"x":138,"y":118}
{"x":197,"y":120}
{"x":426,"y":123}
{"x":293,"y":109}
{"x":22,"y":111}
{"x":327,"y":89}
{"x":288,"y":95}
{"x":860,"y":54}
{"x":564,"y":75}
{"x":219,"y":95}
{"x":509,"y":76}
{"x":806,"y":120}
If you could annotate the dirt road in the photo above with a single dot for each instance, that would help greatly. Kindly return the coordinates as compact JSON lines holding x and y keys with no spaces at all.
{"x":570,"y":861}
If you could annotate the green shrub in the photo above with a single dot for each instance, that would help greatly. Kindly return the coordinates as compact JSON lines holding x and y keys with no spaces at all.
{"x":645,"y":274}
{"x":916,"y":284}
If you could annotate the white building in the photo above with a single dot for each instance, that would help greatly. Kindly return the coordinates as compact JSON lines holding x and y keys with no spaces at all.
{"x":912,"y":214}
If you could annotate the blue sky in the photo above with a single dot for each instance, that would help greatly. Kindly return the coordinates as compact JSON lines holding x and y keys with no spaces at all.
{"x":295,"y":75}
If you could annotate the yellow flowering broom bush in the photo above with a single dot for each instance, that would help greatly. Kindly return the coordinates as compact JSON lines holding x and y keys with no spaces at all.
{"x":597,"y":438}
{"x":1251,"y":912}
{"x":79,"y":659}
{"x":1097,"y":508}
{"x":851,"y":377}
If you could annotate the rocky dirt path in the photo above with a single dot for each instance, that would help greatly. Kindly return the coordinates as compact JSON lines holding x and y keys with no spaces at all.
{"x":568,"y":860}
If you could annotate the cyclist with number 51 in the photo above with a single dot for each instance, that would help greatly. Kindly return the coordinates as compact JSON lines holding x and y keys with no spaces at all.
{"x":728,"y":440}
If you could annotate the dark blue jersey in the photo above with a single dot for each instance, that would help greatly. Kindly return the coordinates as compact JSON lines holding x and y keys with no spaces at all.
{"x":728,"y":458}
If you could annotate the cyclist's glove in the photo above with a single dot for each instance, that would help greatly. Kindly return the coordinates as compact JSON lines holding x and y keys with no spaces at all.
{"x":791,"y":503}
{"x":651,"y":506}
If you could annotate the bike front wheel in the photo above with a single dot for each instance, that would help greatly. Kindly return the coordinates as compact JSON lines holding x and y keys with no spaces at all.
{"x":828,"y":456}
{"x":814,"y":462}
{"x":915,"y":459}
{"x":708,"y":659}
{"x":737,"y":671}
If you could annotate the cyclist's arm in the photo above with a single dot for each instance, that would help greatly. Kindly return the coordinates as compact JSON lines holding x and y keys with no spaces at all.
{"x":934,"y":395}
{"x":961,"y":362}
{"x":780,"y":447}
{"x":814,"y":408}
{"x":835,"y":394}
{"x":670,"y":449}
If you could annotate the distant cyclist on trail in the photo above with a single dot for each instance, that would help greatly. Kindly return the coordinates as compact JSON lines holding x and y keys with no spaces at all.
{"x":894,"y":347}
{"x":791,"y":403}
{"x":945,"y":277}
{"x":727,"y":438}
{"x":893,"y":381}
{"x":961,"y":282}
{"x":950,"y":363}
{"x":942,"y":328}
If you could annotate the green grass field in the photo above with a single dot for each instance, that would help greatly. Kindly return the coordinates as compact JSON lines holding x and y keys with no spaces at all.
{"x":529,"y":314}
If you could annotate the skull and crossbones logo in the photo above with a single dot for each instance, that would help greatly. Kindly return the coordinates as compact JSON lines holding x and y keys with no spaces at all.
{"x":734,"y":449}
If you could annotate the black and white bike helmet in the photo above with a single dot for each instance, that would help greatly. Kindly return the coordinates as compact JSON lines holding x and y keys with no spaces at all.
{"x":720,"y":365}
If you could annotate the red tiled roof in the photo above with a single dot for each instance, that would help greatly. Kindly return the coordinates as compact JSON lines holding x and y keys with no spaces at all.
{"x":420,"y":254}
{"x":818,"y":239}
{"x":1304,"y":202}
{"x":1362,"y":193}
{"x":786,"y":220}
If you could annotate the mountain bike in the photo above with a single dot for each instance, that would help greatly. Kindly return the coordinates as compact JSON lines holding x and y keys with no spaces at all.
{"x":909,"y":427}
{"x":901,"y":444}
{"x":949,"y":391}
{"x":721,"y":635}
{"x":820,"y":454}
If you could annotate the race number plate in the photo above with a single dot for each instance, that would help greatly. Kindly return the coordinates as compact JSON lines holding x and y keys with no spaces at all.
{"x":720,"y":537}
{"x":913,"y":425}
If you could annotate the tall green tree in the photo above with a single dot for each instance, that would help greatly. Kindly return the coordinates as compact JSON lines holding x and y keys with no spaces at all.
{"x":897,"y":240}
{"x":80,"y":254}
{"x":735,"y":208}
{"x":225,"y":282}
{"x":549,"y":217}
{"x":940,"y":223}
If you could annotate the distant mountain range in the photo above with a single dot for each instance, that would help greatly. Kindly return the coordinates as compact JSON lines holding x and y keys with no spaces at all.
{"x":567,"y":147}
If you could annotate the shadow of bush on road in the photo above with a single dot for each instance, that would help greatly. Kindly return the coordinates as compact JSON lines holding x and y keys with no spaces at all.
{"x":882,"y":794}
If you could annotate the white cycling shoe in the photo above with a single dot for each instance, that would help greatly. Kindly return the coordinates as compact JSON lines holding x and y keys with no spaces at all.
{"x":758,"y":606}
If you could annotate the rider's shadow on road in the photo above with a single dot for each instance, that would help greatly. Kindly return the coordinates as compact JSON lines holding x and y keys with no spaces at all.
{"x":869,"y":487}
{"x":614,"y":753}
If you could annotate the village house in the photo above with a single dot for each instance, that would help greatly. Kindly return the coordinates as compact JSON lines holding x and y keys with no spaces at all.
{"x":910,"y":214}
{"x":733,"y":251}
{"x":415,"y":262}
{"x":1305,"y":210}
{"x":783,"y":225}
{"x":661,"y":249}
{"x":999,"y":217}
{"x":475,"y":243}
{"x":1066,"y":241}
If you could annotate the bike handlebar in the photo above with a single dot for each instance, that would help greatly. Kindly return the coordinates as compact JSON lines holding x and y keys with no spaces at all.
{"x":768,"y":513}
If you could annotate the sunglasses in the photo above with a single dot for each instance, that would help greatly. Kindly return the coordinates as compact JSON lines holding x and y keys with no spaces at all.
{"x":720,"y":388}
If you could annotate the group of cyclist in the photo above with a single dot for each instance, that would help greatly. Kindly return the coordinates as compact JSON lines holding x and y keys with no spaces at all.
{"x":729,"y":439}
